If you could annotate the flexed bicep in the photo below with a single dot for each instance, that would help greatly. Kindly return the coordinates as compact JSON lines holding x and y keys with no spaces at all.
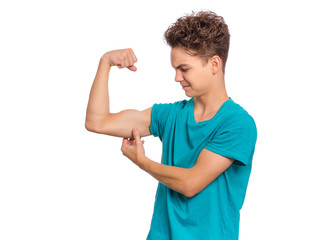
{"x":121,"y":124}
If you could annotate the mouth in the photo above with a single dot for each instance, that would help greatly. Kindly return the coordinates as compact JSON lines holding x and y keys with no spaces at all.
{"x":185,"y":86}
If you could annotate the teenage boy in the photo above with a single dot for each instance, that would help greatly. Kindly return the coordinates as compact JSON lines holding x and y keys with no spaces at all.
{"x":208,"y":141}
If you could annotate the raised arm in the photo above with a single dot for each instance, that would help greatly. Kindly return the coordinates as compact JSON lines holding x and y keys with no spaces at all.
{"x":98,"y":116}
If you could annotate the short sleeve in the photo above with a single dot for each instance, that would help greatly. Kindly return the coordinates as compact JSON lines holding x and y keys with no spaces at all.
{"x":235,"y":138}
{"x":159,"y":117}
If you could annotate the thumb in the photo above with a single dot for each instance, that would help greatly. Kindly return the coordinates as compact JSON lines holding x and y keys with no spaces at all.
{"x":132,"y":68}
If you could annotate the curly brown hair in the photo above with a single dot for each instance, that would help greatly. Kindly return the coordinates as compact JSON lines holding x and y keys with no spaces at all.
{"x":203,"y":34}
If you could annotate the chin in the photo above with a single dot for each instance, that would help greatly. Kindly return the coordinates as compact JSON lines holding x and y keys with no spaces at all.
{"x":188,"y":95}
{"x":192,"y":94}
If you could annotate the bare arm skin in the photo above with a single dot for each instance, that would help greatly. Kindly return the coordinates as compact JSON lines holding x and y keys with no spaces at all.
{"x":187,"y":181}
{"x":98,"y":116}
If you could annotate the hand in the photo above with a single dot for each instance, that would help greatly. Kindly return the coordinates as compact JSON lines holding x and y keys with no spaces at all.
{"x":133,"y":148}
{"x":123,"y":58}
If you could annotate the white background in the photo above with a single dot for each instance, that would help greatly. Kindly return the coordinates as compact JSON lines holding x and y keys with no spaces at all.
{"x":59,"y":181}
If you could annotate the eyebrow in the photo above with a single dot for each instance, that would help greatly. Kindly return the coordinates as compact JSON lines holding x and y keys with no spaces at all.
{"x":181,"y":66}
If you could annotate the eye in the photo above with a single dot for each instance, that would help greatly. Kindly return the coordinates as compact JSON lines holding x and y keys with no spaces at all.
{"x":184,"y":70}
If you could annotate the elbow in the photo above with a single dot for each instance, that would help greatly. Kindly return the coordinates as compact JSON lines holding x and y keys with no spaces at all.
{"x":189,"y":194}
{"x":190,"y":188}
{"x":89,"y":127}
{"x":92,"y":127}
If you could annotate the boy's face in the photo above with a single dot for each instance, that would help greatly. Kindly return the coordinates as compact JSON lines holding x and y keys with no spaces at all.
{"x":192,"y":72}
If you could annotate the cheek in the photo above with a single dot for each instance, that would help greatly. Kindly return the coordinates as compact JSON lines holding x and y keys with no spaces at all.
{"x":202,"y":81}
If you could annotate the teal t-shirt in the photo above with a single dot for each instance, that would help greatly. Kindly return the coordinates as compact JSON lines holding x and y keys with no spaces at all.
{"x":214,"y":212}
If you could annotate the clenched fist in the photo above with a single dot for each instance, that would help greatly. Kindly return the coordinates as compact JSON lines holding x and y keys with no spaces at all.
{"x":122,"y":58}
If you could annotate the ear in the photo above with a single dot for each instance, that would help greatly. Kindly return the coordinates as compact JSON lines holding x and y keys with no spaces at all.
{"x":216,"y":63}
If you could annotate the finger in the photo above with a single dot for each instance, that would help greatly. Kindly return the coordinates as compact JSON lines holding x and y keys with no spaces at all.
{"x":124,"y":142}
{"x":130,"y":63}
{"x":124,"y":63}
{"x":132,"y":68}
{"x":133,"y":56}
{"x":136,"y":135}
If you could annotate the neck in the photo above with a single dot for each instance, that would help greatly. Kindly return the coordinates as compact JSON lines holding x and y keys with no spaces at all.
{"x":212,"y":100}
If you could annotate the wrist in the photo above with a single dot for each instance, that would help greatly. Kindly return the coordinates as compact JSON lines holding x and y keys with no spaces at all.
{"x":143,"y":163}
{"x":104,"y":60}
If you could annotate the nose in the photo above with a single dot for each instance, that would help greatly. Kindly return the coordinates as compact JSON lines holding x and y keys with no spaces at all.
{"x":178,"y":77}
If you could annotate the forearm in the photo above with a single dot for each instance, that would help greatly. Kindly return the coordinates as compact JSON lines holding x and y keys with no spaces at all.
{"x":187,"y":181}
{"x":182,"y":180}
{"x":176,"y":178}
{"x":98,"y":105}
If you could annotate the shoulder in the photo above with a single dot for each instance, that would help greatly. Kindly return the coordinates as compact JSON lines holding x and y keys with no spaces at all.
{"x":163,"y":114}
{"x":235,"y":116}
{"x":164,"y":111}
